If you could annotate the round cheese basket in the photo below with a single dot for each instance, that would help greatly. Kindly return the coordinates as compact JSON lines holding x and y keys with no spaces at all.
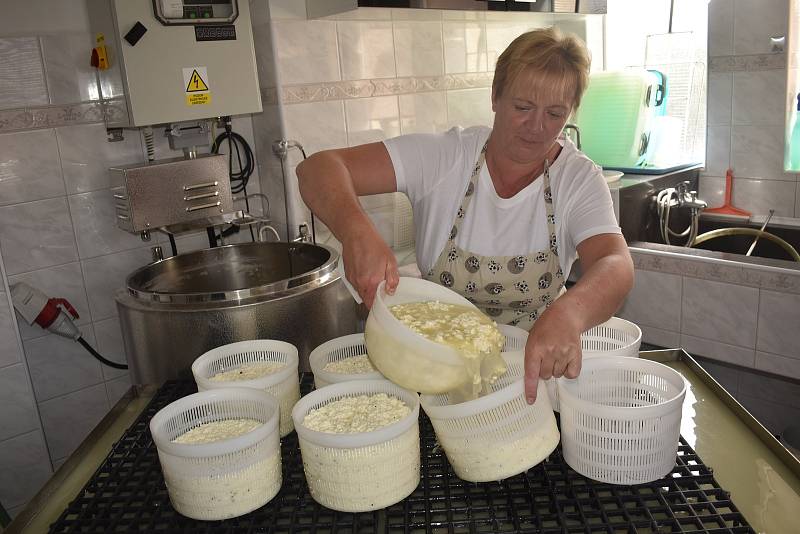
{"x":615,"y":337}
{"x":515,"y":338}
{"x":363,"y":471}
{"x":225,"y":478}
{"x":621,"y":419}
{"x":498,"y":435}
{"x":404,"y":356}
{"x":337,"y":350}
{"x":284,"y":383}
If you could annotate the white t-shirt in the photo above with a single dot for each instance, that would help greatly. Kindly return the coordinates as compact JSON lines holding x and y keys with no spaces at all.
{"x":434,"y":170}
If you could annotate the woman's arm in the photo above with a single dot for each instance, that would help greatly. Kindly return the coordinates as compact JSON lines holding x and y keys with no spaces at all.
{"x":554,"y":345}
{"x":330,"y":183}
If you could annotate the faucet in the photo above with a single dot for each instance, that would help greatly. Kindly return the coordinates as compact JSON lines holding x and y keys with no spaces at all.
{"x":577,"y":133}
{"x":688,"y":199}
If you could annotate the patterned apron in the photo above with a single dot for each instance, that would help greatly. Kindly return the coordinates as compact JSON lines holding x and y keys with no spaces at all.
{"x":511,"y":290}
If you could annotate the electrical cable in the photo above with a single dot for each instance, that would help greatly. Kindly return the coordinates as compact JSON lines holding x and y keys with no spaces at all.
{"x":100,"y":358}
{"x":172,"y":244}
{"x":244,"y":159}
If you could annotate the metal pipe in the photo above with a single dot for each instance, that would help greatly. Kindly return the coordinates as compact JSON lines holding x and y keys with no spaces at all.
{"x":753,"y":245}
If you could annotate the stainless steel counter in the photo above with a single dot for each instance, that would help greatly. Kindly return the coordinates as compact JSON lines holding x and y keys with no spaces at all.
{"x":761,"y":475}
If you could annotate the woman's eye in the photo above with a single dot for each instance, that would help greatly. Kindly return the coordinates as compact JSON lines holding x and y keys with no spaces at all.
{"x":556,"y":115}
{"x":523,"y":108}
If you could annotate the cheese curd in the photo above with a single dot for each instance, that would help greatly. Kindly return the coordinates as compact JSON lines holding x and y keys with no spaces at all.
{"x":362,"y":413}
{"x":353,"y":365}
{"x":248,"y":371}
{"x":497,"y":459}
{"x":476,"y":338}
{"x":215,"y":488}
{"x":218,"y":430}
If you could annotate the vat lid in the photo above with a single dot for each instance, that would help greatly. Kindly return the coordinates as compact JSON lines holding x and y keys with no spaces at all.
{"x":235,"y":273}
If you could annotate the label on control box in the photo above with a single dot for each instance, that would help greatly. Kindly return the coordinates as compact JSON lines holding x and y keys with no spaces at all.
{"x":196,"y":86}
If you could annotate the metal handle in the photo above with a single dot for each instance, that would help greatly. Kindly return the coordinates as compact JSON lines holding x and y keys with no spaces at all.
{"x":199,"y":186}
{"x":202,"y":195}
{"x":203,"y":206}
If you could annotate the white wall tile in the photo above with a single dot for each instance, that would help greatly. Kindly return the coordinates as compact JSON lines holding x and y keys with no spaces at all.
{"x":650,"y":287}
{"x":36,"y":235}
{"x":423,"y":112}
{"x":106,"y":275}
{"x":720,"y":27}
{"x":307,"y":51}
{"x":712,"y":190}
{"x":750,"y":103}
{"x":659,"y":336}
{"x":317,"y":125}
{"x":777,"y":364}
{"x":760,"y":196}
{"x":18,"y":414}
{"x":469,"y":107}
{"x":720,"y":98}
{"x":719,"y":312}
{"x":718,"y":150}
{"x":9,"y":346}
{"x":452,"y":14}
{"x":363,"y":13}
{"x":67,"y":420}
{"x":59,"y":365}
{"x":29,"y":167}
{"x":754,"y":22}
{"x":464,"y":47}
{"x":265,"y":56}
{"x":111,"y":346}
{"x":70,"y":77}
{"x":417,"y":14}
{"x":22,"y":80}
{"x":371,"y":119}
{"x":24,"y":468}
{"x":287,"y":9}
{"x":757,"y":152}
{"x":418,"y":48}
{"x":771,"y":389}
{"x":63,"y":281}
{"x":116,"y":388}
{"x":500,"y":34}
{"x":94,"y":219}
{"x":778,"y":320}
{"x":718,"y":350}
{"x":86,"y":155}
{"x":366,"y":49}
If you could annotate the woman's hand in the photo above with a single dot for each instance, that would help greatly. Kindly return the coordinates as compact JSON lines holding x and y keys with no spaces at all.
{"x":553,"y":348}
{"x":368,"y":261}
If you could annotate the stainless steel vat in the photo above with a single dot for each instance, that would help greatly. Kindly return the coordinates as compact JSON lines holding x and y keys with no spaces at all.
{"x":174,"y":310}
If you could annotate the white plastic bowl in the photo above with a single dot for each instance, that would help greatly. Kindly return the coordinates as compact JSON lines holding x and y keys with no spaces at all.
{"x":621,"y":419}
{"x":404,"y":356}
{"x":226,"y":478}
{"x":337,"y":350}
{"x":615,"y":337}
{"x":362,"y":471}
{"x":498,"y":435}
{"x":284,"y":384}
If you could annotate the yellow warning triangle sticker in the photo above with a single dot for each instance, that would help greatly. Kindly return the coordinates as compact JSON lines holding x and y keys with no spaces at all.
{"x":196,"y":83}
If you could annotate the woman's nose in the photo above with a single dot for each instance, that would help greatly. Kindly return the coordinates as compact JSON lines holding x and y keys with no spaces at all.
{"x":535,"y":122}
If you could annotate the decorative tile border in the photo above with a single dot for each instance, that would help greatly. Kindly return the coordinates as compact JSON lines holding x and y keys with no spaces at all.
{"x":345,"y":90}
{"x":14,"y":120}
{"x":753,"y":62}
{"x":718,"y":270}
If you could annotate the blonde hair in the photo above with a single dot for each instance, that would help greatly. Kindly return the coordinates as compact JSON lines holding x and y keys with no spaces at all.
{"x":547,"y":52}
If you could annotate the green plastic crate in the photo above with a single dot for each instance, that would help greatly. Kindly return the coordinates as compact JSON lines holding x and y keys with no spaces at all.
{"x":616,"y":115}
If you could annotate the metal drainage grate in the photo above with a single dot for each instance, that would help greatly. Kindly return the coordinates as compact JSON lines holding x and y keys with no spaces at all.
{"x":127,"y":494}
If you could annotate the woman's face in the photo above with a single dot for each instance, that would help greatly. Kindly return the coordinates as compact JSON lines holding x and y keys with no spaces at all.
{"x":529,"y":116}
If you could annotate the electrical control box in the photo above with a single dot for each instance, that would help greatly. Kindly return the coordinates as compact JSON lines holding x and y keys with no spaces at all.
{"x":177,"y":60}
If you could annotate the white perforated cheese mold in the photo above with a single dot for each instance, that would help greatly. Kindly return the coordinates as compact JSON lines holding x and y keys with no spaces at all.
{"x":361,"y":471}
{"x":621,"y":419}
{"x":284,"y":384}
{"x":336,"y":350}
{"x":615,"y":337}
{"x":225,"y":478}
{"x":498,"y":435}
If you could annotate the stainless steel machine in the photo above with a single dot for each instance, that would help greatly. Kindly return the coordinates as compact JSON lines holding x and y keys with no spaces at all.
{"x":174,"y":310}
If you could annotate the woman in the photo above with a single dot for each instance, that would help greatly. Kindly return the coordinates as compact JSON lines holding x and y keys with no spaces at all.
{"x":501,"y":213}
